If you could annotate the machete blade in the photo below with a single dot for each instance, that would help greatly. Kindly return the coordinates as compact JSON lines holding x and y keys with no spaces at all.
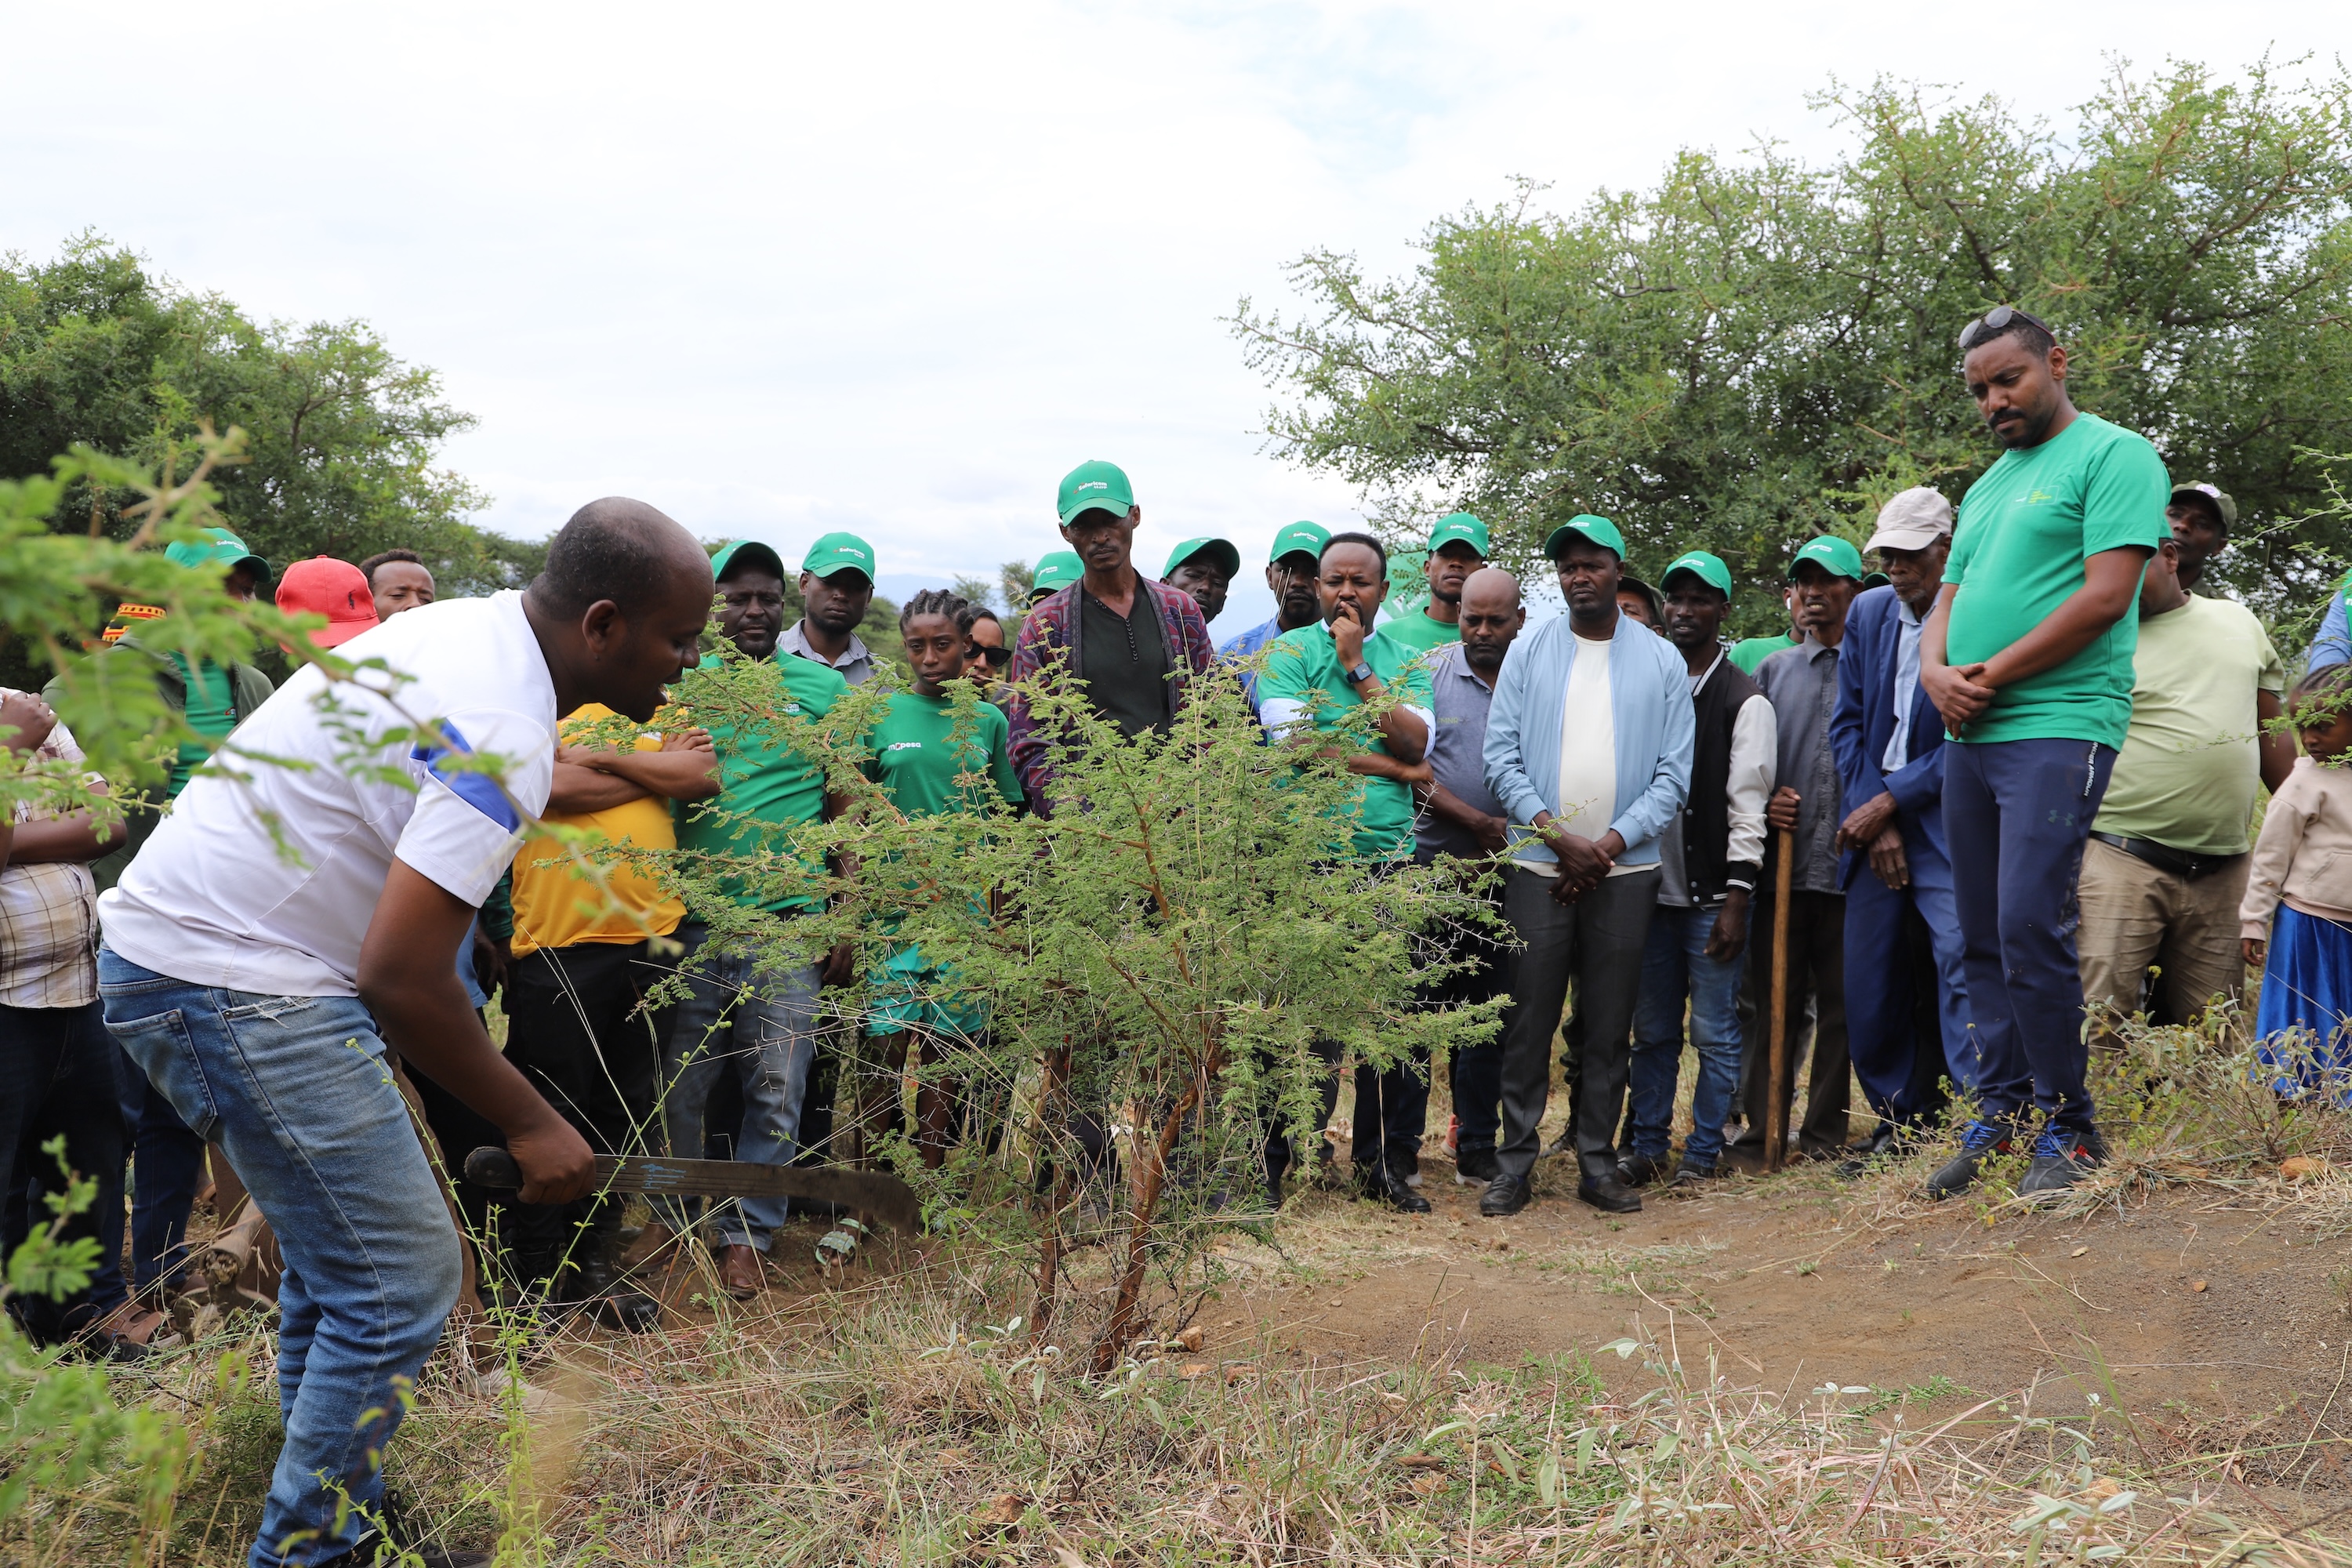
{"x":875,"y":1193}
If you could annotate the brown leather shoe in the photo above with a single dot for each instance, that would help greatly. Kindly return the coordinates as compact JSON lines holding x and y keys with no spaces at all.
{"x":739,"y":1271}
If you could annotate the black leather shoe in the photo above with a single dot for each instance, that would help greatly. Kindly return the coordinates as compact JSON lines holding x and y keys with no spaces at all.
{"x":1389,"y":1187}
{"x":1608,"y":1194}
{"x":1475,"y":1167}
{"x":1857,"y":1160}
{"x":1506,"y":1194}
{"x":1640,"y":1170}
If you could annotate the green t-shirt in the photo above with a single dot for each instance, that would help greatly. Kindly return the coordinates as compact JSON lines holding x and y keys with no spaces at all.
{"x":211,"y":712}
{"x":1418,"y":632}
{"x":2024,"y":531}
{"x":1303,"y":674}
{"x":2188,"y":771}
{"x":1747,"y":653}
{"x":917,"y":761}
{"x":763,"y":778}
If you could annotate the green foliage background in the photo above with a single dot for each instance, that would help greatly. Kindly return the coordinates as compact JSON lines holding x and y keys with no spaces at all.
{"x":1756,"y":349}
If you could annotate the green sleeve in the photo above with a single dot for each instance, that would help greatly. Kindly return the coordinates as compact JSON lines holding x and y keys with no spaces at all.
{"x":2125,"y":498}
{"x":498,"y":909}
{"x":1285,"y":673}
{"x":1964,"y":547}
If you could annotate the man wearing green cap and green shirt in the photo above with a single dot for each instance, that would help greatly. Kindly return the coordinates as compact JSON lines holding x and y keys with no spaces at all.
{"x":1458,"y":547}
{"x":837,"y":587}
{"x":1711,"y":858}
{"x":1802,"y":682}
{"x":1057,"y":569}
{"x":1589,"y":748}
{"x":1133,"y":642}
{"x":1204,"y":568}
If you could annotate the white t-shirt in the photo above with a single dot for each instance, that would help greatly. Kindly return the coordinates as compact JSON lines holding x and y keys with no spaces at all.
{"x":1588,"y":750}
{"x":212,"y":900}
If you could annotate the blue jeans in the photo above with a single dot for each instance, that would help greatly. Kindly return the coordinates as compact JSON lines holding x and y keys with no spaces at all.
{"x":741,"y":1015}
{"x":1675,"y":969}
{"x":294,"y":1087}
{"x":2016,"y":814}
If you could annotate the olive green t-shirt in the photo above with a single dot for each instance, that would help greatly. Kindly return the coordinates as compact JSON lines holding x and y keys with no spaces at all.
{"x":1418,"y":632}
{"x":761,"y":779}
{"x":1303,"y":675}
{"x":2189,"y":770}
{"x":2025,"y":530}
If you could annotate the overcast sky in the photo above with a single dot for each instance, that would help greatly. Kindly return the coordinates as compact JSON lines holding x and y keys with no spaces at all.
{"x":785,"y":269}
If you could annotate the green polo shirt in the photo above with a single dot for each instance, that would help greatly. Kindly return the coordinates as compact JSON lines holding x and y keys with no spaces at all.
{"x":2025,"y":530}
{"x":1303,"y":666}
{"x":1418,"y":632}
{"x":762,"y":778}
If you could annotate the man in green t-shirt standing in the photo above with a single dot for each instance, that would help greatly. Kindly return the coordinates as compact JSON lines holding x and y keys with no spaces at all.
{"x":1314,"y":677}
{"x":2167,"y":862}
{"x":1458,"y":547}
{"x":2028,"y":656}
{"x":744,"y":1011}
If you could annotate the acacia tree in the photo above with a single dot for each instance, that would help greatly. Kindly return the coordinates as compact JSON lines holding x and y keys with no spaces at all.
{"x":1755,"y":350}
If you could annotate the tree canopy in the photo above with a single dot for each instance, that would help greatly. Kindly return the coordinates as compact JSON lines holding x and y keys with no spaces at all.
{"x":342,"y":434}
{"x":1756,"y":350}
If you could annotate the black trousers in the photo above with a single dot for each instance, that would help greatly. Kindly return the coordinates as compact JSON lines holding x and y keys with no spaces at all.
{"x":1392,"y":1113}
{"x":1475,"y":1072}
{"x":575,"y":1028}
{"x":1598,"y":942}
{"x":1278,"y":1154}
{"x":1816,"y":971}
{"x":63,"y":1073}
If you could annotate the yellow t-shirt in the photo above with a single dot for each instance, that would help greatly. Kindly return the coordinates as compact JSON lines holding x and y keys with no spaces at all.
{"x":554,"y":906}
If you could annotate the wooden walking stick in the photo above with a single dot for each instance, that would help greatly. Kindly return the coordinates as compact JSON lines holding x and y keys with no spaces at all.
{"x":1776,"y":1106}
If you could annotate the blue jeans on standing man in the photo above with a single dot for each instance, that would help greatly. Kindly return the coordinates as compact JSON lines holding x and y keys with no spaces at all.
{"x":296,"y":1090}
{"x":2016,"y":814}
{"x":1675,"y":969}
{"x":745,"y":1014}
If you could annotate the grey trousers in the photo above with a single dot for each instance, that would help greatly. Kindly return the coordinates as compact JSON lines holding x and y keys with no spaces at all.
{"x":1598,"y":942}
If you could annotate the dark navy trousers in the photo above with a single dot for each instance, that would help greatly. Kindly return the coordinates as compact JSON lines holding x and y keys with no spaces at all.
{"x":1906,"y":1002}
{"x":2016,"y":814}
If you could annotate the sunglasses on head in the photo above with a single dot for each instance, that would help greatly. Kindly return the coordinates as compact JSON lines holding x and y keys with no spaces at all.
{"x":1992,"y":321}
{"x":997,"y":657}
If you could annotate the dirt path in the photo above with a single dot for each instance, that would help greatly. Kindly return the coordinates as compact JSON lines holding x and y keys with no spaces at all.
{"x":2196,"y":1308}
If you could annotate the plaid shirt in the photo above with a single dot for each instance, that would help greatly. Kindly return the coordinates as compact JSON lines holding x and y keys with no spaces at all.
{"x":1050,"y":635}
{"x":48,"y":918}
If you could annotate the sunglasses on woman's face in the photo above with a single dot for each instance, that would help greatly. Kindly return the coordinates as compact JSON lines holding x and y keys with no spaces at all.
{"x":997,"y":657}
{"x":1993,"y":321}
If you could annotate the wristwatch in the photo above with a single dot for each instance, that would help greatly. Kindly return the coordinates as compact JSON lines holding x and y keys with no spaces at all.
{"x":1360,"y":674}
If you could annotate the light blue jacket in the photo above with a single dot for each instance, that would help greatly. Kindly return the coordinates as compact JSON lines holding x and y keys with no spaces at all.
{"x":1650,"y":709}
{"x":2333,"y":644}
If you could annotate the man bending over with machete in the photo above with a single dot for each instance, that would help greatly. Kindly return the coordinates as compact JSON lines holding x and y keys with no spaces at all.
{"x":258,"y":991}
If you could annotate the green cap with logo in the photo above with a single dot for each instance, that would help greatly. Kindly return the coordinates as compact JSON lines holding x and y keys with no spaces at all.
{"x":1301,"y":538}
{"x":1707,"y":566}
{"x":1836,"y":556}
{"x":1228,"y":559}
{"x":747,"y":553}
{"x":1057,"y":571}
{"x":1586,"y":526}
{"x":1095,"y":487}
{"x":838,"y":553}
{"x":1461,"y":527}
{"x":222,"y":548}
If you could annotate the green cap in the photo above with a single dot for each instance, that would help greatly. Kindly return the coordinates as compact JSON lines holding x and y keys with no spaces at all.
{"x":1876,"y":579}
{"x":1095,"y":487}
{"x":1301,"y":538}
{"x":748,"y":552}
{"x":1836,"y":556}
{"x":1703,"y":564}
{"x":1460,"y":525}
{"x":1228,"y":559}
{"x":225,"y":550}
{"x":1597,"y":529}
{"x":839,"y":553}
{"x":1057,"y":571}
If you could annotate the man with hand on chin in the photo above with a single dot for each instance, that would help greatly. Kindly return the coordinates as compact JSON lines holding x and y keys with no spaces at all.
{"x":1306,"y":672}
{"x":1589,"y":748}
{"x":2028,"y":656}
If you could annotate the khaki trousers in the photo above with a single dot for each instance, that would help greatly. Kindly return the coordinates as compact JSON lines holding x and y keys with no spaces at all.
{"x":2136,"y":917}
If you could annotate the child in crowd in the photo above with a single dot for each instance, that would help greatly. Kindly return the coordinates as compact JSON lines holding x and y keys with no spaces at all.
{"x":2302,"y":870}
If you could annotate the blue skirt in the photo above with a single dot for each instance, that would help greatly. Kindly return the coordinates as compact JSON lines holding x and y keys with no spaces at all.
{"x":2304,"y":1023}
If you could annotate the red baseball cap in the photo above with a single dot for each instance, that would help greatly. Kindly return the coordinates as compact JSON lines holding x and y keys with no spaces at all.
{"x":338,"y":590}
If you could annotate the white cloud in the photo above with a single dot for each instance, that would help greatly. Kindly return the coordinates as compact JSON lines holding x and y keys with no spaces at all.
{"x":785,"y":269}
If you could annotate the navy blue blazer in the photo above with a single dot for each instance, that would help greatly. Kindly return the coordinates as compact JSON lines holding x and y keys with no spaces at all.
{"x":1863,"y":721}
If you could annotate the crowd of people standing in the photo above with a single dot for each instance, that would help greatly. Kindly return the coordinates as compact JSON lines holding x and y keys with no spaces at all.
{"x":1972,"y":806}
